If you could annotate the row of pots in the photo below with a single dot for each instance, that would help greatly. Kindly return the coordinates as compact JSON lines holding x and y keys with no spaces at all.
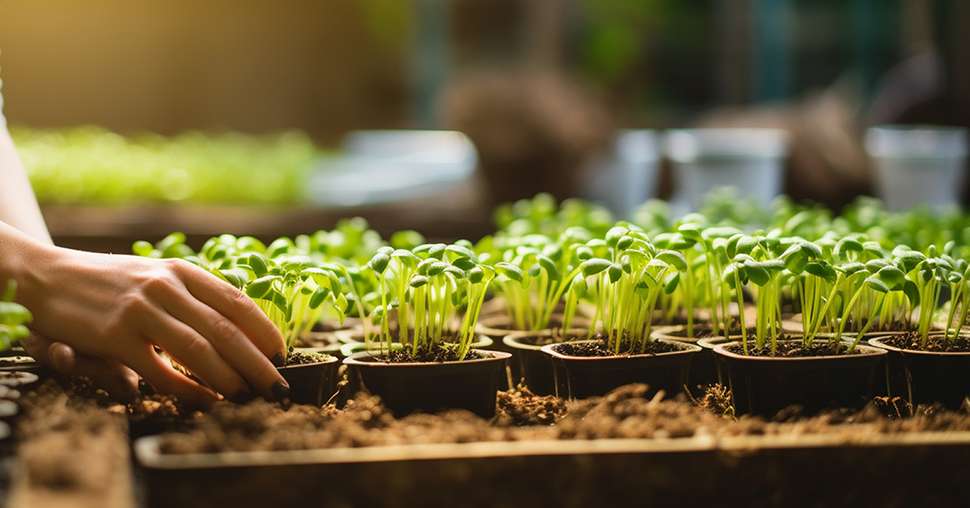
{"x":760,"y":385}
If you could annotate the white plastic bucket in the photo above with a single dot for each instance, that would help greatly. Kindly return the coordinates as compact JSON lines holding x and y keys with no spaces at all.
{"x":626,"y":176}
{"x":918,"y":165}
{"x":749,"y":160}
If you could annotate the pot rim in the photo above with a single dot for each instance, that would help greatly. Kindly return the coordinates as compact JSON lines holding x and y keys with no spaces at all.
{"x":331,"y":359}
{"x":513,"y":339}
{"x":865,"y":351}
{"x":685,"y":348}
{"x":492,"y":356}
{"x":18,"y":378}
{"x":351,"y":348}
{"x":878,"y":343}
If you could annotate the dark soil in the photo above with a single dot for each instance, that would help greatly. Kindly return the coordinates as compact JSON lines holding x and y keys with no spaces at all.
{"x":542,"y":340}
{"x":600,"y":348}
{"x":936,"y":344}
{"x":71,"y":453}
{"x":447,"y":352}
{"x":704,"y":332}
{"x":299,"y":357}
{"x":795,"y":349}
{"x":623,"y":413}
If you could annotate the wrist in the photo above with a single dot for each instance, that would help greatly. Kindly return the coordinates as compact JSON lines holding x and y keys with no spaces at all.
{"x":26,"y":261}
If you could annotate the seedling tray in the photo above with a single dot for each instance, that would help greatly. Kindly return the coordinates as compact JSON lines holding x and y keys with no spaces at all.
{"x":854,"y":469}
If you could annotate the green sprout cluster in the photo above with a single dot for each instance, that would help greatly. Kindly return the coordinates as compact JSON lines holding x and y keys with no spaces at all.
{"x":13,"y":317}
{"x":90,"y":165}
{"x":845,"y":275}
{"x":433,"y":293}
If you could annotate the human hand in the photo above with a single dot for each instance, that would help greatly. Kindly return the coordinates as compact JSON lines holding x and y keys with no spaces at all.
{"x":109,"y":312}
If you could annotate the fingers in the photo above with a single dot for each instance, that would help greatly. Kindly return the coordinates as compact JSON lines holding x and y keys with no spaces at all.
{"x":165,"y":379}
{"x":235,"y":306}
{"x":119,"y":381}
{"x":228,"y":340}
{"x":195,"y":352}
{"x":231,"y":344}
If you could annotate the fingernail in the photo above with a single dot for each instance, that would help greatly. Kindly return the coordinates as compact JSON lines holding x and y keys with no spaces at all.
{"x":281,"y":390}
{"x":278,"y":360}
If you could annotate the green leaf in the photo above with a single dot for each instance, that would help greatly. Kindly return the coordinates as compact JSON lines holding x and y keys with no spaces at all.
{"x":143,"y":248}
{"x":235,"y":276}
{"x":892,"y":277}
{"x":756,"y":273}
{"x":594,"y":266}
{"x":510,"y":271}
{"x":911,"y":292}
{"x":877,"y":284}
{"x":418,"y":281}
{"x":318,"y":297}
{"x":261,"y":286}
{"x":14,"y":314}
{"x":476,"y":274}
{"x":847,"y":245}
{"x":615,"y":272}
{"x":379,"y":262}
{"x":821,"y":270}
{"x":550,"y":267}
{"x":614,"y":234}
{"x":258,"y":264}
{"x":673,"y":258}
{"x":671,"y":281}
{"x":691,"y":231}
{"x":459,"y":251}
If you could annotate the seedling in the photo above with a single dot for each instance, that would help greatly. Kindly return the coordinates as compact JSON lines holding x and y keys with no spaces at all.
{"x":13,"y":317}
{"x":435,"y":291}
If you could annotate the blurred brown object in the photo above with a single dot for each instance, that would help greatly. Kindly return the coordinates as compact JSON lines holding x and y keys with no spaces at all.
{"x":827,"y":161}
{"x":534,"y":130}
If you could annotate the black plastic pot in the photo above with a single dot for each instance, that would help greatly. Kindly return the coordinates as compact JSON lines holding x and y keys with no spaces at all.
{"x":926,"y":377}
{"x":765,"y":385}
{"x":703,"y":368}
{"x":529,"y":363}
{"x":432,"y":386}
{"x":312,"y":383}
{"x":19,"y":362}
{"x":578,"y":377}
{"x":19,"y":380}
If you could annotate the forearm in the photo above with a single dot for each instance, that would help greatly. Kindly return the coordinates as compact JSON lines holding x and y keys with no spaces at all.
{"x":18,"y":206}
{"x":20,"y":257}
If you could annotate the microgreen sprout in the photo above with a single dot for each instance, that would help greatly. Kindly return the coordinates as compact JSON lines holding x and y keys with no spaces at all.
{"x":13,"y":317}
{"x":435,"y":291}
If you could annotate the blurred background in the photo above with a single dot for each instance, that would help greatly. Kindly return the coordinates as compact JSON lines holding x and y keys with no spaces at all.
{"x":137,"y":118}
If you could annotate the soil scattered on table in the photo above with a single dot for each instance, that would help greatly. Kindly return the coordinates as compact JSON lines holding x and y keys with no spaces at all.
{"x":935,"y":344}
{"x":627,"y":348}
{"x":520,"y":407}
